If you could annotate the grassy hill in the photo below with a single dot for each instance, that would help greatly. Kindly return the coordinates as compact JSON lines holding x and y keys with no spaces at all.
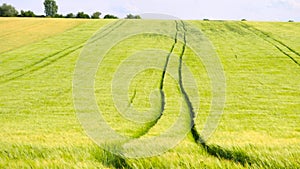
{"x":259,"y":127}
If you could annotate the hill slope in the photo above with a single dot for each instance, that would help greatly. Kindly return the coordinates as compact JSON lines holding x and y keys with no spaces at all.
{"x":259,"y":126}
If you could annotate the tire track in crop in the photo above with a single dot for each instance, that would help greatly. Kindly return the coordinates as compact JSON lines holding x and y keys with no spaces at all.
{"x":35,"y":67}
{"x":109,"y":29}
{"x":196,"y":136}
{"x":194,"y":131}
{"x":183,"y":92}
{"x":161,"y":86}
{"x":50,"y":59}
{"x":36,"y":63}
{"x":46,"y":58}
{"x":236,"y":156}
{"x":273,"y":41}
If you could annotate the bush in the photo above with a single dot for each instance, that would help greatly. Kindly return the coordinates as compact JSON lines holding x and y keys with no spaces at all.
{"x":70,"y":15}
{"x":82,"y":15}
{"x":58,"y":16}
{"x":206,"y":19}
{"x":27,"y":14}
{"x":96,"y":15}
{"x":243,"y":20}
{"x":130,"y":16}
{"x":291,"y":21}
{"x":108,"y":16}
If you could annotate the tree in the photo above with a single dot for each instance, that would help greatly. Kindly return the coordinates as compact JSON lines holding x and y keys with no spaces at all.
{"x":82,"y":15}
{"x":27,"y":14}
{"x":50,"y":8}
{"x":108,"y":16}
{"x":8,"y":10}
{"x":96,"y":15}
{"x":130,"y":16}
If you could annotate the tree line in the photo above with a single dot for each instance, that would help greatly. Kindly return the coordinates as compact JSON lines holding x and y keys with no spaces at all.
{"x":51,"y":8}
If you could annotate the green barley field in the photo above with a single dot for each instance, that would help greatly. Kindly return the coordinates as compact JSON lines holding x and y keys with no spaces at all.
{"x":259,"y":127}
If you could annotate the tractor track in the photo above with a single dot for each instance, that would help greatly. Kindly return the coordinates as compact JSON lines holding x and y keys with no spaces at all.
{"x":109,"y":29}
{"x":183,"y":92}
{"x":213,"y":150}
{"x":36,"y":63}
{"x":279,"y":45}
{"x":35,"y":68}
{"x":196,"y":136}
{"x":50,"y":59}
{"x":161,"y":86}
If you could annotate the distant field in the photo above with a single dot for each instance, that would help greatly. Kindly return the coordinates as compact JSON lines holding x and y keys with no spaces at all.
{"x":18,"y":32}
{"x":259,"y":126}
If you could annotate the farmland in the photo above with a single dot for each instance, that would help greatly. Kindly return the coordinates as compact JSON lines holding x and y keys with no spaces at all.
{"x":258,"y":128}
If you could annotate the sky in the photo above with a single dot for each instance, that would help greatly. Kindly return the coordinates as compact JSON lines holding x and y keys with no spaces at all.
{"x":260,"y":10}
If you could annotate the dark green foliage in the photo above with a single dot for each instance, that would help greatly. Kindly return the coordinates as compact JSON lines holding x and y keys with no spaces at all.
{"x":108,"y":16}
{"x":244,"y":20}
{"x":206,"y":19}
{"x":50,"y":8}
{"x":8,"y":11}
{"x":70,"y":15}
{"x":27,"y":14}
{"x":96,"y":15}
{"x":82,"y":15}
{"x":58,"y":16}
{"x":130,"y":16}
{"x":235,"y":155}
{"x":291,"y":21}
